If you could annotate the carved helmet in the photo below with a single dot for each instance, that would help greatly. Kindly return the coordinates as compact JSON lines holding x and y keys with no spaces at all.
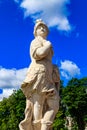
{"x":38,"y":23}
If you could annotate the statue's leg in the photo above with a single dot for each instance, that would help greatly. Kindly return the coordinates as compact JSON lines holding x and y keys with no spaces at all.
{"x":53,"y":106}
{"x":26,"y":124}
{"x":38,"y":101}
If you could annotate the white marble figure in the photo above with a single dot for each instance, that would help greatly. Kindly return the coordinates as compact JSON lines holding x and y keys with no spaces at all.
{"x":41,"y":85}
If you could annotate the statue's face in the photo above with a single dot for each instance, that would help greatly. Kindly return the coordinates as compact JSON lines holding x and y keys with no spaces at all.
{"x":41,"y":31}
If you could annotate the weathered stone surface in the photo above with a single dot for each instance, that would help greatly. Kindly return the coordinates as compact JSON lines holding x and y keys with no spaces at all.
{"x":41,"y":85}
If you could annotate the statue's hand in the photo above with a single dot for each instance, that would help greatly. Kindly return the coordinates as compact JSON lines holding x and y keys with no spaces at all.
{"x":44,"y":50}
{"x":47,"y":43}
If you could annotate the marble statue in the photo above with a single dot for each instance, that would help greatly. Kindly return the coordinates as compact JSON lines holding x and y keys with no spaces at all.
{"x":41,"y":85}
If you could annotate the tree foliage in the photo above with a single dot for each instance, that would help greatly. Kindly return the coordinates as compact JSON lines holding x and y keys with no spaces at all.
{"x":12,"y":111}
{"x":73,"y":103}
{"x":75,"y":100}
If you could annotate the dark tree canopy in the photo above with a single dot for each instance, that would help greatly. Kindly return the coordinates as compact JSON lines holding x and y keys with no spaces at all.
{"x":75,"y":100}
{"x":73,"y":103}
{"x":12,"y":111}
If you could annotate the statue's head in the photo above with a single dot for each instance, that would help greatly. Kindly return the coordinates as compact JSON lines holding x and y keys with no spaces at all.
{"x":40,"y":29}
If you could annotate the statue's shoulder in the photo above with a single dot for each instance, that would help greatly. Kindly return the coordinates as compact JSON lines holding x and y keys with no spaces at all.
{"x":36,"y":43}
{"x":33,"y":41}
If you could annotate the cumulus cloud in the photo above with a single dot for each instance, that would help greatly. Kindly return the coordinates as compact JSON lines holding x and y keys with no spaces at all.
{"x":11,"y":79}
{"x":53,"y":12}
{"x":69,"y":69}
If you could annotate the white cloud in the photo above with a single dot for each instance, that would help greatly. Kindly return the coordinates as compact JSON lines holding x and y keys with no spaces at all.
{"x":69,"y":69}
{"x":53,"y":12}
{"x":11,"y":78}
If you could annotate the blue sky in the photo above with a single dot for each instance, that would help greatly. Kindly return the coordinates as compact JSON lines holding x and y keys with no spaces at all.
{"x":66,"y":20}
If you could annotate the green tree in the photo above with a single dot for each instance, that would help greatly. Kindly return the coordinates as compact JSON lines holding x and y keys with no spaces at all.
{"x":59,"y":122}
{"x":12,"y":111}
{"x":75,"y":100}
